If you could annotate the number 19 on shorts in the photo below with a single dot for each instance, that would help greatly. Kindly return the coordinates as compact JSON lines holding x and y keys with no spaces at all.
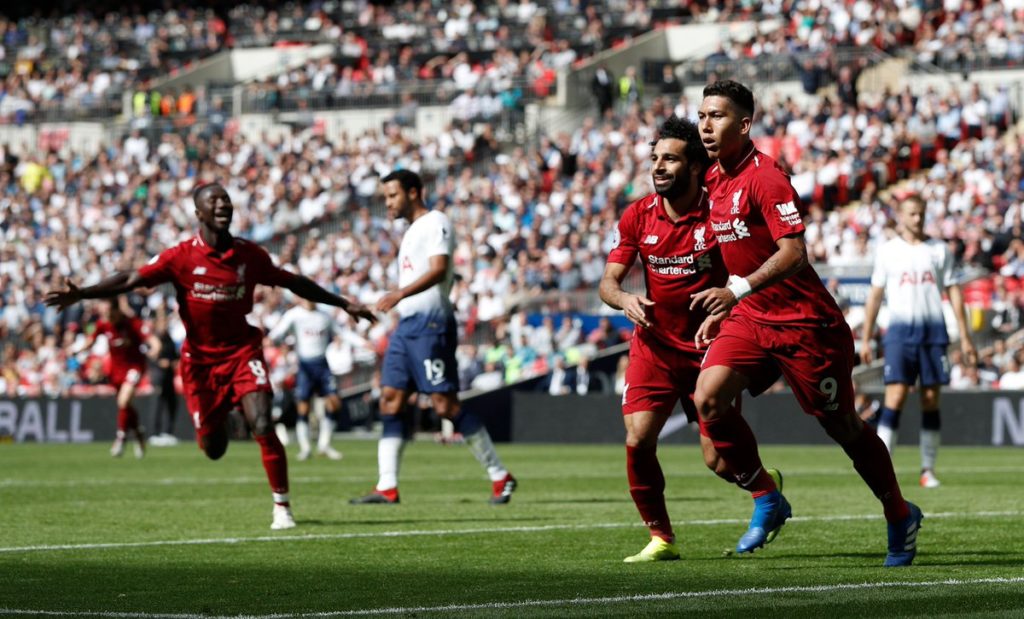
{"x":435,"y":370}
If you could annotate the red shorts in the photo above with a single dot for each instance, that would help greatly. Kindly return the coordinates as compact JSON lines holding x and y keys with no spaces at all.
{"x":213,"y":389}
{"x":658,"y":376}
{"x":129,"y":374}
{"x":817,"y":362}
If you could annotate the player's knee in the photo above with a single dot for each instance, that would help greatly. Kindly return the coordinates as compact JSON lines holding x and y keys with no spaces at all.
{"x":843,"y":429}
{"x":262,"y":425}
{"x":640,"y":439}
{"x":390,"y":403}
{"x":929,"y":400}
{"x":708,"y":403}
{"x":445,"y":406}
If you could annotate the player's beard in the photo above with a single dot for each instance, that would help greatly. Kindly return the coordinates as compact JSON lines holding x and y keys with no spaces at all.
{"x":679,"y":187}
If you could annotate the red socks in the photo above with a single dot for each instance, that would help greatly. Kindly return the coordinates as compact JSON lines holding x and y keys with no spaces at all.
{"x":275,"y":463}
{"x":647,"y":486}
{"x":737,"y":447}
{"x":127,"y":419}
{"x":872,"y":461}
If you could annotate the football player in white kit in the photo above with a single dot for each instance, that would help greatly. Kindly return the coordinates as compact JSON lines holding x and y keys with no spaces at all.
{"x":421,"y":352}
{"x":313,"y":330}
{"x":912,"y":271}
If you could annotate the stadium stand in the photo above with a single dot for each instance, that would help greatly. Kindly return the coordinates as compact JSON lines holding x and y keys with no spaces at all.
{"x":534,"y":217}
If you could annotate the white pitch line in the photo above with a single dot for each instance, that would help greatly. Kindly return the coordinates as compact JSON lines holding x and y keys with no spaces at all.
{"x":456,"y":532}
{"x":247,"y":479}
{"x":579,"y":601}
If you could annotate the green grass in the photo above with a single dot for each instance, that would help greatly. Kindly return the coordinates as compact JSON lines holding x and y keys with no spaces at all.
{"x":81,"y":532}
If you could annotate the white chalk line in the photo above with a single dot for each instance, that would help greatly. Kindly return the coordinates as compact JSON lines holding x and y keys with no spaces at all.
{"x":459,"y":532}
{"x":522,"y":604}
{"x":305,"y":479}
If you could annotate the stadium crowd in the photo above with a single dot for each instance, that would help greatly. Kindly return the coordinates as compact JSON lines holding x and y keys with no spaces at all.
{"x":529,"y":221}
{"x":534,"y":223}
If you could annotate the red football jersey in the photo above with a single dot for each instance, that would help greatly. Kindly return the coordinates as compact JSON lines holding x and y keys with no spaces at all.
{"x":125,"y":339}
{"x":215,"y":292}
{"x":680,"y":259}
{"x":750,"y":210}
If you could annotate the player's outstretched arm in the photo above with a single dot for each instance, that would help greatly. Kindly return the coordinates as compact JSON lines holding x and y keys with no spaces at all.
{"x":118,"y":283}
{"x":436,"y":272}
{"x":614,"y":296}
{"x":871,"y":307}
{"x":308,"y":289}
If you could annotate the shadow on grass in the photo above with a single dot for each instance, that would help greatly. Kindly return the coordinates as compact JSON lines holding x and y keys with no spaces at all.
{"x":259,"y":582}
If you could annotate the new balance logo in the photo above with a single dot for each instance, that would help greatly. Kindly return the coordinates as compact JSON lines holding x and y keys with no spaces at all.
{"x":787,"y":208}
{"x":740,"y":228}
{"x":652,"y":239}
{"x":199,"y":271}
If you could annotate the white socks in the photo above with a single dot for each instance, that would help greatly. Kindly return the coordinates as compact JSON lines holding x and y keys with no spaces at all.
{"x":929,"y":448}
{"x":326,"y":432}
{"x":389,"y":454}
{"x":888,"y":436}
{"x":483,"y":449}
{"x":302,"y":434}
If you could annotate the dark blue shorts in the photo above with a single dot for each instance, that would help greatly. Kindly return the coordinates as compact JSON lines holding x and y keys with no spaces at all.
{"x":314,"y":378}
{"x":422,"y":362}
{"x":905,"y":363}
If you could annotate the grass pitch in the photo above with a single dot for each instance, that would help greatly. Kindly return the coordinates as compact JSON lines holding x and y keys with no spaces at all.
{"x":178,"y":536}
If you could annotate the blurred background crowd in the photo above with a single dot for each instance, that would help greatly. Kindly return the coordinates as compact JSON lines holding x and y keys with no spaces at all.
{"x":533,"y":215}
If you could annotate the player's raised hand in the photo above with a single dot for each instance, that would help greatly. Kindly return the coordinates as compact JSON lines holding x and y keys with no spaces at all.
{"x":388,"y":301}
{"x":635,"y":309}
{"x":62,"y":299}
{"x":358,"y":310}
{"x":708,"y":330}
{"x":714,"y":300}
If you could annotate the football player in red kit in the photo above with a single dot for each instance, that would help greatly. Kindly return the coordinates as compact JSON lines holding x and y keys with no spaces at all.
{"x":214,"y":275}
{"x":782,"y":320}
{"x":125,"y":336}
{"x":668,"y":230}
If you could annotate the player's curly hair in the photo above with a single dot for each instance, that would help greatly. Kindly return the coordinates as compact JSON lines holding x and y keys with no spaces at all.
{"x":736,"y":92}
{"x":686,"y":130}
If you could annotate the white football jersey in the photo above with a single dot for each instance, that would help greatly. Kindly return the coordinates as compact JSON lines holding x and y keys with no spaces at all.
{"x":313,"y":331}
{"x":914,"y":276}
{"x":430,"y":235}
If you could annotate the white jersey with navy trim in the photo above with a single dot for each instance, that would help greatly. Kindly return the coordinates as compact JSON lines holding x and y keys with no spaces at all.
{"x":313,"y":331}
{"x":430,"y":235}
{"x":914,"y":276}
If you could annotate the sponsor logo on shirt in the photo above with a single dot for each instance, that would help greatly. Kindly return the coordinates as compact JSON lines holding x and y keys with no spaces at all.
{"x":678,"y":265}
{"x":652,"y":239}
{"x":698,"y":239}
{"x":199,"y":271}
{"x":909,"y":278}
{"x":729,"y":231}
{"x":788,"y":213}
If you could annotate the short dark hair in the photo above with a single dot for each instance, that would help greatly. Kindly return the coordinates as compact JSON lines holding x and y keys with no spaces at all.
{"x":686,"y":130}
{"x":734,"y":91}
{"x":200,"y":188}
{"x":407,"y":179}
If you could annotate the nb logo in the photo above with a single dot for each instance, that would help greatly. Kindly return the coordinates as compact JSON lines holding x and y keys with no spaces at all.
{"x":199,"y":271}
{"x":651,"y":239}
{"x":740,"y":228}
